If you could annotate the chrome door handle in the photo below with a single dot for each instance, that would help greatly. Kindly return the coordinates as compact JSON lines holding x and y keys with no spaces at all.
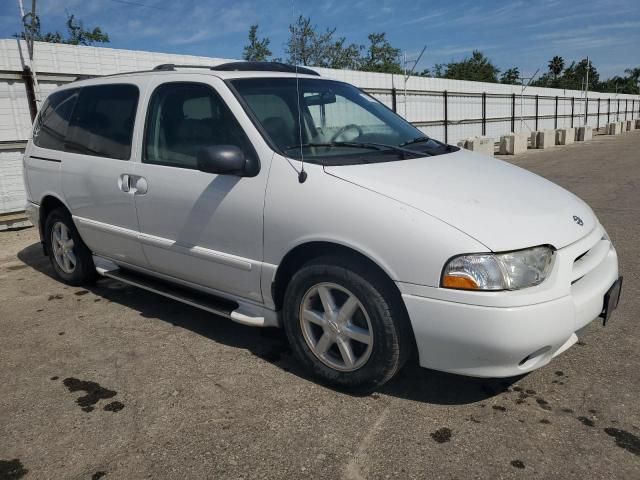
{"x":124,"y":182}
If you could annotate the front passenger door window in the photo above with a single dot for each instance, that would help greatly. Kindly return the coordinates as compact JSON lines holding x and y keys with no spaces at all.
{"x":184,"y":118}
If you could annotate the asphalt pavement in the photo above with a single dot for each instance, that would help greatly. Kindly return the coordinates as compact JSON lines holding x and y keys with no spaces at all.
{"x":114,"y":382}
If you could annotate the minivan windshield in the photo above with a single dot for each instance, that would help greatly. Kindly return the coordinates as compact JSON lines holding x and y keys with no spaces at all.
{"x":336,"y":124}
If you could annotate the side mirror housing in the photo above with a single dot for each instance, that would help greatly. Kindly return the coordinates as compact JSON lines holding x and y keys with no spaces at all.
{"x":221,"y":159}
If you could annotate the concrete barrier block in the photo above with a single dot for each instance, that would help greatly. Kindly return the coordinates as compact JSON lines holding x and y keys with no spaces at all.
{"x":622,"y":127}
{"x":584,"y":133}
{"x":613,"y":128}
{"x":638,"y":124}
{"x":545,"y":139}
{"x":565,"y":136}
{"x":534,"y":139}
{"x":632,"y":125}
{"x":627,"y":125}
{"x":483,"y":145}
{"x":513,"y":144}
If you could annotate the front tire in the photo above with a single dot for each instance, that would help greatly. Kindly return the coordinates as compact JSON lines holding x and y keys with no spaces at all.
{"x":346,"y":324}
{"x":70,"y":258}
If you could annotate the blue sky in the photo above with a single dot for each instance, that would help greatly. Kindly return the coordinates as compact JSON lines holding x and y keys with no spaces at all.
{"x":520,"y":33}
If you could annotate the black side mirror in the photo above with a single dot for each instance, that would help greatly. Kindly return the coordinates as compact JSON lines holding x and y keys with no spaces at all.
{"x":222,"y":159}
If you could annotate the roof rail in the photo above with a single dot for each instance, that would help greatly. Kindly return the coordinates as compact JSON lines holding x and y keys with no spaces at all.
{"x":166,"y":67}
{"x":243,"y":67}
{"x":263,"y":67}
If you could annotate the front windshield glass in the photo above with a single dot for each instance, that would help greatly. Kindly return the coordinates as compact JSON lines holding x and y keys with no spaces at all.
{"x":337,"y":122}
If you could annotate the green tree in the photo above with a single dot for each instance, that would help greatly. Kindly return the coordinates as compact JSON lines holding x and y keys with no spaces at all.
{"x":340,"y":55}
{"x":477,"y":68}
{"x":634,"y":74}
{"x":308,"y":46}
{"x":257,"y":50}
{"x":300,"y":44}
{"x":556,"y":65}
{"x":76,"y":33}
{"x":381,"y":56}
{"x":511,"y":76}
{"x":575,"y":75}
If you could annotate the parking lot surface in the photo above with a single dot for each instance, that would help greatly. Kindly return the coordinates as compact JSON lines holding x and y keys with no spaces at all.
{"x":117,"y":383}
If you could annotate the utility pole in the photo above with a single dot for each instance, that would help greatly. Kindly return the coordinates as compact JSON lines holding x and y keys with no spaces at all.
{"x":523,"y":87}
{"x":30,"y":43}
{"x":408,"y":73}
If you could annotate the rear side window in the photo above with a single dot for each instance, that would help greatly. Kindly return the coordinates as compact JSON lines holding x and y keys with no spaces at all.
{"x":186,"y":117}
{"x":51,"y":126}
{"x":102,"y":123}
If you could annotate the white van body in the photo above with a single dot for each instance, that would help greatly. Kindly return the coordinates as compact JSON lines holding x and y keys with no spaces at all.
{"x":230,"y":235}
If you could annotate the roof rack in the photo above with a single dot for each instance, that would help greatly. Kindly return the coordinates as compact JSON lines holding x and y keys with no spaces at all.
{"x":243,"y":67}
{"x":167,"y":67}
{"x":263,"y":67}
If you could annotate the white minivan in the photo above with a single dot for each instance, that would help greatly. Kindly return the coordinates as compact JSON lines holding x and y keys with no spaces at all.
{"x":275,"y":197}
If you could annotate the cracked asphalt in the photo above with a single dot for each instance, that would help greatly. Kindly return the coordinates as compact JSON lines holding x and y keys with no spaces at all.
{"x":114,"y":382}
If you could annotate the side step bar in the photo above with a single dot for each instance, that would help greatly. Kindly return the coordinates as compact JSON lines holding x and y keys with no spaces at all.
{"x":215,"y":305}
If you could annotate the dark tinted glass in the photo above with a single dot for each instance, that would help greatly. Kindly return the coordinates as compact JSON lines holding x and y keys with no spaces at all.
{"x":186,"y":117}
{"x":102,"y":123}
{"x":52,"y":123}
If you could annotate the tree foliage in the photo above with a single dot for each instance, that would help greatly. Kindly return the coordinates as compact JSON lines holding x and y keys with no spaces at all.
{"x":257,"y":50}
{"x":556,"y":65}
{"x":381,"y":56}
{"x":511,"y":76}
{"x":76,"y":33}
{"x":309,"y":46}
{"x":477,"y":68}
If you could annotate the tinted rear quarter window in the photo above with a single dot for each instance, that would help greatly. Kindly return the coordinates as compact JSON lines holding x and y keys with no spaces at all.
{"x":102,"y":122}
{"x":51,"y":126}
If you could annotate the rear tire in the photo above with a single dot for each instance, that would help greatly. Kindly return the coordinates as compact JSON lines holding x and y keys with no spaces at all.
{"x":70,"y":258}
{"x":346,"y":324}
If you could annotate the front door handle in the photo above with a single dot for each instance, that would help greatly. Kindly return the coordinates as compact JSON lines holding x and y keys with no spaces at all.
{"x":133,"y":184}
{"x":124,"y":182}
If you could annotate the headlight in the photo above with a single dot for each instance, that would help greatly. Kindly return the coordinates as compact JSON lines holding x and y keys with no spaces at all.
{"x":498,"y":271}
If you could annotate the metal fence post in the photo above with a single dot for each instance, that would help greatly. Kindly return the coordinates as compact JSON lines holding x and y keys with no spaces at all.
{"x":555,"y":115}
{"x":513,"y":112}
{"x":536,"y":112}
{"x":446,"y":117}
{"x":27,"y":76}
{"x":598,"y":121}
{"x":484,"y":113}
{"x":586,"y":111}
{"x":608,"y":110}
{"x":626,"y":108}
{"x":618,"y":113}
{"x":572,"y":105}
{"x":394,"y":99}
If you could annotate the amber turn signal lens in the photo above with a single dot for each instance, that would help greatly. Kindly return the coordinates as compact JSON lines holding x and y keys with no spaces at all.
{"x":451,"y":281}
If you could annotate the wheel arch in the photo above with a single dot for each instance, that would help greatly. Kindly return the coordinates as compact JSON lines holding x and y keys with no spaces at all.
{"x":48,"y":204}
{"x":307,"y":251}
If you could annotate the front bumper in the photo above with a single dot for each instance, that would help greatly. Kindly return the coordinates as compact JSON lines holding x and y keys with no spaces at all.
{"x":507,"y":340}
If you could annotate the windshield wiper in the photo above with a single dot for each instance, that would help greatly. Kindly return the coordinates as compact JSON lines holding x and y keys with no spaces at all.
{"x":415,"y":140}
{"x":370,"y":145}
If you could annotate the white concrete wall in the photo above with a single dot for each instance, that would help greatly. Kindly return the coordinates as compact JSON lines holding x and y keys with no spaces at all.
{"x":12,"y":194}
{"x":67,"y":61}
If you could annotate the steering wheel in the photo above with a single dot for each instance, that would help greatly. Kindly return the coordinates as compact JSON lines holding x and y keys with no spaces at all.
{"x":344,"y":129}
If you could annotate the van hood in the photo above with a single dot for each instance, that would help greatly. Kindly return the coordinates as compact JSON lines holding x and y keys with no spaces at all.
{"x":502,"y":206}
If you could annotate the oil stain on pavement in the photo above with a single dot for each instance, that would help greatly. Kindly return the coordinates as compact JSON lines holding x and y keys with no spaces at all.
{"x":12,"y":469}
{"x":625,"y":440}
{"x":94,"y":393}
{"x":442,"y":435}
